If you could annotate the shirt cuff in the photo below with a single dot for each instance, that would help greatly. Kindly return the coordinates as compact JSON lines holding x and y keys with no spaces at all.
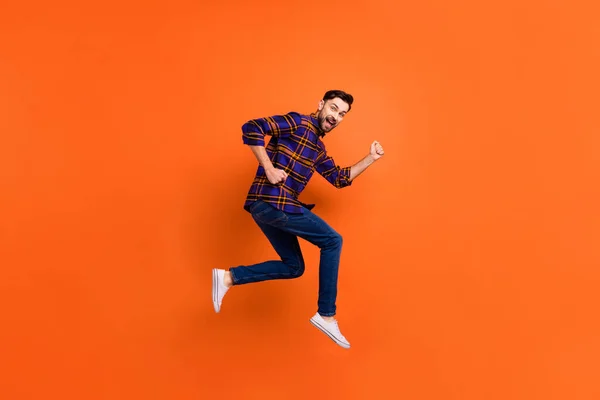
{"x":345,"y":176}
{"x":253,"y":140}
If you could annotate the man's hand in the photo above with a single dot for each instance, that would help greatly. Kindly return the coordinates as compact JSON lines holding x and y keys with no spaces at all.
{"x":376,"y":150}
{"x":275,"y":175}
{"x":375,"y":153}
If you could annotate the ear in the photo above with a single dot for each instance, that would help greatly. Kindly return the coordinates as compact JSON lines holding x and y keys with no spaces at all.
{"x":321,"y":104}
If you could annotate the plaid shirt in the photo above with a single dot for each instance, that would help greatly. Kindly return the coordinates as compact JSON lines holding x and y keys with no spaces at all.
{"x":296,"y":147}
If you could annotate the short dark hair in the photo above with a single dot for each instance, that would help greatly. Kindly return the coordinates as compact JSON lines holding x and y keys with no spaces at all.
{"x":347,"y":97}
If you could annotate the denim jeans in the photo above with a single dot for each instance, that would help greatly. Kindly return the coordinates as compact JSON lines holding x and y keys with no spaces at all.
{"x":282,"y":230}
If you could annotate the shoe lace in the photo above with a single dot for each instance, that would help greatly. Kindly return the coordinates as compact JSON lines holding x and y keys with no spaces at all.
{"x":337,"y":328}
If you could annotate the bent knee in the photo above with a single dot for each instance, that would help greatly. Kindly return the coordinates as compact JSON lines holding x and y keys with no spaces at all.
{"x":335,"y":241}
{"x":296,"y":268}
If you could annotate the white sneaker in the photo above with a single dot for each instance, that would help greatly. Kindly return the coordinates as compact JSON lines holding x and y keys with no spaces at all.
{"x":218,"y":288}
{"x":331,"y":329}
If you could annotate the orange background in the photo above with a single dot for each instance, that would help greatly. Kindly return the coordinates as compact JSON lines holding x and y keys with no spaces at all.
{"x":470,"y":261}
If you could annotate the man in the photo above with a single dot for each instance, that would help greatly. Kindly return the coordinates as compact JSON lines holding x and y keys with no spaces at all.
{"x":294,"y":152}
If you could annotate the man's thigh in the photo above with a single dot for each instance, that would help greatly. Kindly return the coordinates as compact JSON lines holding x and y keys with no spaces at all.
{"x":307,"y":225}
{"x":284,"y":243}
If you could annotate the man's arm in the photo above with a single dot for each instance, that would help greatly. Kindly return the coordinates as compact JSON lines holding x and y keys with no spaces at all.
{"x":261,"y":156}
{"x":274,"y":175}
{"x":255,"y":130}
{"x":333,"y":173}
{"x":361,"y":166}
{"x":253,"y":135}
{"x":341,"y":177}
{"x":375,"y":153}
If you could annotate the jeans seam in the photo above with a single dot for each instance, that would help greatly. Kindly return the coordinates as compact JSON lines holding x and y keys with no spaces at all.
{"x":243,"y":279}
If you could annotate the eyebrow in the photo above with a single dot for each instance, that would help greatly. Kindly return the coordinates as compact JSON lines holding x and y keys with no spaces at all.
{"x":336,"y":106}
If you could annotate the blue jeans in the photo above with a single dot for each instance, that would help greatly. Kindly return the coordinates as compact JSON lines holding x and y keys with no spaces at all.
{"x":282,"y":230}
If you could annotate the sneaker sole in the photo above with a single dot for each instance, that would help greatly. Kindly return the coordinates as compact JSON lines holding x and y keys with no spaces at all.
{"x":325,"y":331}
{"x":215,"y":288}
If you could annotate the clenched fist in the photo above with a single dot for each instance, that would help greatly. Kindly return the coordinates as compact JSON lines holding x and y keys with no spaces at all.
{"x":376,"y":150}
{"x":276,"y":176}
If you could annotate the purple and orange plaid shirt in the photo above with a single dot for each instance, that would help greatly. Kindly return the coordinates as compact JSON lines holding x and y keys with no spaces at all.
{"x":296,"y":147}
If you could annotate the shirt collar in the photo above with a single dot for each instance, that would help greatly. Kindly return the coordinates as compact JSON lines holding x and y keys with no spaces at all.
{"x":315,"y":121}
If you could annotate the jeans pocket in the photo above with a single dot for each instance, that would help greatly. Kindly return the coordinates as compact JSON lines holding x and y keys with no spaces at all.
{"x":256,"y":206}
{"x":259,"y":207}
{"x":269,"y":215}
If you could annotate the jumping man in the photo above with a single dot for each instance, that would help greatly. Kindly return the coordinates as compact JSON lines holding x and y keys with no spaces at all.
{"x":294,"y":152}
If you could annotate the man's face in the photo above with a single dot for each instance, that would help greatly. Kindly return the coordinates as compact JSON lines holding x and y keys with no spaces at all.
{"x":331,"y":113}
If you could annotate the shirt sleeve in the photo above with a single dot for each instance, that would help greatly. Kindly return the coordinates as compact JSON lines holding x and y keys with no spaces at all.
{"x":254,"y":131}
{"x":333,"y":173}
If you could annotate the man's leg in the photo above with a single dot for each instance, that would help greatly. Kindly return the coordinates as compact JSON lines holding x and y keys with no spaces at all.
{"x":282,"y":230}
{"x":290,"y":265}
{"x":315,"y":230}
{"x":280,"y":227}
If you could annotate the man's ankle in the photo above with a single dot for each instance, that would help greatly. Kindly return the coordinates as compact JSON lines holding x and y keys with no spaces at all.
{"x":227,"y":281}
{"x":328,"y":319}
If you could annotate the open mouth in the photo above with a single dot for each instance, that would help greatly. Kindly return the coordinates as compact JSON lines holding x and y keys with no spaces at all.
{"x":331,"y":121}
